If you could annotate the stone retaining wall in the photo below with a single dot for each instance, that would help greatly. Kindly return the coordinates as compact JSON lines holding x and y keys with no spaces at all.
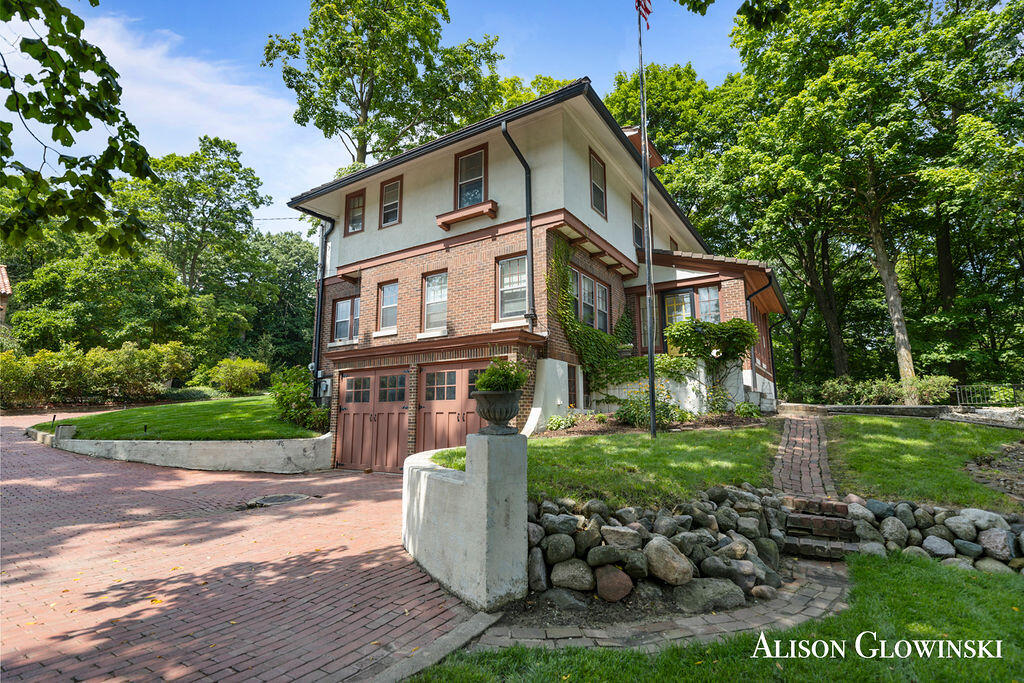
{"x":282,"y":456}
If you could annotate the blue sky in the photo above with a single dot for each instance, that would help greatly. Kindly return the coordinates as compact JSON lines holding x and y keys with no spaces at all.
{"x":193,"y":66}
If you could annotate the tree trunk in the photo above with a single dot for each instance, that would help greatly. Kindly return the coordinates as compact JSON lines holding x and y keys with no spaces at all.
{"x":947,"y":287}
{"x":894,"y":302}
{"x":824,"y":297}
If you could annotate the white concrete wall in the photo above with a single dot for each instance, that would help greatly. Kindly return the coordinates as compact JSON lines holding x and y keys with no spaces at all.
{"x":468,"y":529}
{"x":690,"y":395}
{"x":282,"y":456}
{"x":551,"y":393}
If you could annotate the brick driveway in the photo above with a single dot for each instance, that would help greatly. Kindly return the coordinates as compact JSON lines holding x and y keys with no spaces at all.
{"x":113,"y":569}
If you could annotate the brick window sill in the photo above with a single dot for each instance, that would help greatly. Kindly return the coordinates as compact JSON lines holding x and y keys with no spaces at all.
{"x":445,"y":221}
{"x":385,"y":333}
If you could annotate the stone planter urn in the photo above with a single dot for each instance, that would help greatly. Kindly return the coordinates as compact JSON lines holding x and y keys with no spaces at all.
{"x":497,"y":407}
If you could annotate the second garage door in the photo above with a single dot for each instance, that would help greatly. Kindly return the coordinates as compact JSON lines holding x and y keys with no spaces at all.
{"x":373,"y":425}
{"x":446,"y":413}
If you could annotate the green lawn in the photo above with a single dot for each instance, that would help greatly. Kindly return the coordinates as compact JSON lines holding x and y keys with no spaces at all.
{"x":914,"y":459}
{"x":630,"y":469}
{"x":896,"y":598}
{"x":249,"y":417}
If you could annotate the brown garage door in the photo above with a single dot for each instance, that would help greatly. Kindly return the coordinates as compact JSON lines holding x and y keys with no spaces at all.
{"x":372,"y":420}
{"x":446,"y":412}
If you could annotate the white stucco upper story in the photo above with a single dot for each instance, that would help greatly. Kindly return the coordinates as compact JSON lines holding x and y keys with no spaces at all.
{"x":556,"y":141}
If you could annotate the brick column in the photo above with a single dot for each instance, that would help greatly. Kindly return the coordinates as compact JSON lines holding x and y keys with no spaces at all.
{"x":412,"y":397}
{"x":335,"y":399}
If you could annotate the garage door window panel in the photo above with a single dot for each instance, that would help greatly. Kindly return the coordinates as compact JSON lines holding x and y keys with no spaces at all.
{"x":391,"y":388}
{"x":440,"y":386}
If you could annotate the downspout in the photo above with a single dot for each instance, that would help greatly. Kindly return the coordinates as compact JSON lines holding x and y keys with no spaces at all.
{"x":753,"y":361}
{"x":314,"y":367}
{"x":531,"y":315}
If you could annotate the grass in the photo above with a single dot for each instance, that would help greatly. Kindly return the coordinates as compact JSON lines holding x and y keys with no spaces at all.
{"x":914,"y":459}
{"x":896,"y":598}
{"x":630,"y":469}
{"x":250,"y":417}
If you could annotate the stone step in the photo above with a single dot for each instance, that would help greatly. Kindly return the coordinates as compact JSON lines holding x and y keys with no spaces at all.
{"x":800,"y":524}
{"x":801,"y":410}
{"x":826,"y":507}
{"x":818,"y":548}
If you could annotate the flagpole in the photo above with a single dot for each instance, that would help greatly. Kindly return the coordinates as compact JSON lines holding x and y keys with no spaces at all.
{"x":648,"y":238}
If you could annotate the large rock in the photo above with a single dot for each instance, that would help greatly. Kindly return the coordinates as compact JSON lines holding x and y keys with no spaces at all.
{"x":621,"y":536}
{"x":938,"y":547}
{"x":872,"y":548}
{"x":914,"y":551}
{"x":957,"y":563}
{"x":534,"y":533}
{"x":558,"y":524}
{"x":684,"y":522}
{"x":983,"y":519}
{"x":563,"y":599}
{"x":894,"y":531}
{"x":666,"y":526}
{"x":634,"y":563}
{"x":914,"y":537}
{"x":763,"y":592}
{"x":536,"y":570}
{"x":686,"y":540}
{"x":923,"y":518}
{"x":548,"y":507}
{"x":575,"y":574}
{"x":744,"y":574}
{"x":940,"y":530}
{"x":764,"y":573}
{"x":733,"y":551}
{"x":595,"y":506}
{"x":880,"y":509}
{"x":998,"y":543}
{"x":718,"y":494}
{"x":560,"y":547}
{"x":867,"y":533}
{"x":905,"y":514}
{"x":626,"y":515}
{"x":968,"y":548}
{"x":854,"y":498}
{"x":639,"y":527}
{"x":706,"y":595}
{"x":649,"y":592}
{"x":740,"y":572}
{"x":961,"y":526}
{"x":987,"y":564}
{"x":605,"y":554}
{"x":749,"y":527}
{"x":727,"y":518}
{"x":587,"y":538}
{"x":857,"y":511}
{"x":612,"y":583}
{"x":666,"y":562}
{"x":768,"y":551}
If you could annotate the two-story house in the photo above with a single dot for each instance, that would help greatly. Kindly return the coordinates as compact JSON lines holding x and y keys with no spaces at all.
{"x":436,"y":261}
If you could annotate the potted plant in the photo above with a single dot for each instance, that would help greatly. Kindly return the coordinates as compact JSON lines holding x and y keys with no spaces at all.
{"x":498,"y":389}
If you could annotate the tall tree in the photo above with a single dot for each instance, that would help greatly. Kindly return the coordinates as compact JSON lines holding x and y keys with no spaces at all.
{"x":374,"y":74}
{"x":67,"y":87}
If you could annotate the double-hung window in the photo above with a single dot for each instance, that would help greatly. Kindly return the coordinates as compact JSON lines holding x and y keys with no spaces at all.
{"x":708,"y":297}
{"x":355,"y":212}
{"x":638,"y":224}
{"x":388,"y":316}
{"x":591,"y":301}
{"x":435,"y":301}
{"x":346,"y":319}
{"x":471,"y":178}
{"x":512,"y":287}
{"x":586,"y":300}
{"x":598,"y":187}
{"x":390,"y":202}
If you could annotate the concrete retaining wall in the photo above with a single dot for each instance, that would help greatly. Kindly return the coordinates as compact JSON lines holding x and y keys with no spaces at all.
{"x":282,"y":456}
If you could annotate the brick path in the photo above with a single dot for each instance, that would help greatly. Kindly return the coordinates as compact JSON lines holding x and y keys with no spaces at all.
{"x":114,"y":569}
{"x":817,"y":590}
{"x":801,"y":465}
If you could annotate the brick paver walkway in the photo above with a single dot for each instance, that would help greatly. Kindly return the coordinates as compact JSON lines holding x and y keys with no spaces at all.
{"x":801,"y":465}
{"x":114,"y":569}
{"x":817,"y":590}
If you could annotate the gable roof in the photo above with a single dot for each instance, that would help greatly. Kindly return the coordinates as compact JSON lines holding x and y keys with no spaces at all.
{"x":759,"y":275}
{"x":579,"y":87}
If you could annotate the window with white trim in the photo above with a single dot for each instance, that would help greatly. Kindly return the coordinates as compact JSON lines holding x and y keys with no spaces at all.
{"x":638,"y":224}
{"x":470,"y":183}
{"x":598,"y":185}
{"x":587,"y":300}
{"x":388,"y":296}
{"x":512,"y":287}
{"x":601,"y":322}
{"x":346,"y":319}
{"x":435,"y":301}
{"x":390,"y":203}
{"x":709,"y":309}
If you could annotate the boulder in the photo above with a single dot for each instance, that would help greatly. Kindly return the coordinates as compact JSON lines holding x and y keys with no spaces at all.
{"x":536,"y":570}
{"x":872,"y":548}
{"x":968,"y":548}
{"x":983,"y":519}
{"x":854,"y":498}
{"x":749,"y":527}
{"x":621,"y":536}
{"x":744,"y":574}
{"x":914,"y":551}
{"x":575,"y":574}
{"x":768,"y":551}
{"x":605,"y":554}
{"x":905,"y":514}
{"x":699,"y":553}
{"x":595,"y":506}
{"x":612,"y":583}
{"x":708,"y":594}
{"x":765,"y":574}
{"x":923,"y":518}
{"x":666,"y":562}
{"x":567,"y":504}
{"x":740,"y":538}
{"x":857,"y":511}
{"x":891,"y":547}
{"x":626,"y":515}
{"x":866,"y":532}
{"x":987,"y":564}
{"x":938,"y":547}
{"x":940,"y":530}
{"x":894,"y":531}
{"x":686,"y":541}
{"x":957,"y":563}
{"x":634,"y":563}
{"x":534,"y":533}
{"x":532,"y":510}
{"x":558,"y":524}
{"x":563,"y":599}
{"x":763,"y":592}
{"x":684,"y":522}
{"x":998,"y":543}
{"x":718,"y":494}
{"x":727,"y":518}
{"x":733,"y":551}
{"x":560,"y":547}
{"x":644,"y":532}
{"x":942,"y":514}
{"x":961,"y":526}
{"x":1016,"y":563}
{"x":880,"y":509}
{"x":548,"y":507}
{"x":666,"y":526}
{"x":587,"y":538}
{"x":914,"y":537}
{"x":649,"y":592}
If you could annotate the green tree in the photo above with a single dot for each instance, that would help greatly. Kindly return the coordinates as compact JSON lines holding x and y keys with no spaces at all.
{"x":72,"y":89}
{"x":513,"y":92}
{"x":375,"y":74}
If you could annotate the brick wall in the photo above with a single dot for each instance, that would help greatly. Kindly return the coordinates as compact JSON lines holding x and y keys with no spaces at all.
{"x":733,"y":303}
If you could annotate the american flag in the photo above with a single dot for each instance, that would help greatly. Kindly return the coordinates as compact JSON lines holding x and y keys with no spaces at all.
{"x":644,"y":8}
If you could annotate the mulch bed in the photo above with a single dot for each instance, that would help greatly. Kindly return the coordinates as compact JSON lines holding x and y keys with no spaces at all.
{"x":589,"y":426}
{"x":1003,"y":472}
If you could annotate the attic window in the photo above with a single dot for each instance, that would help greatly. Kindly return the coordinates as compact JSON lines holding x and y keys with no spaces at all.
{"x":471,"y":177}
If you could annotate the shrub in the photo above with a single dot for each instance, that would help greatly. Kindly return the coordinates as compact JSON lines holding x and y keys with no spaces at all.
{"x":185,"y":394}
{"x":635,"y":409}
{"x":570,"y":419}
{"x":174,"y":359}
{"x":746,"y":409}
{"x":601,"y":418}
{"x":238,"y":376}
{"x":319,"y":420}
{"x":839,"y":391}
{"x":292,"y":392}
{"x":801,"y":392}
{"x":682,"y":415}
{"x":132,"y":372}
{"x":16,"y":384}
{"x":202,"y":377}
{"x":934,"y":389}
{"x":503,"y":375}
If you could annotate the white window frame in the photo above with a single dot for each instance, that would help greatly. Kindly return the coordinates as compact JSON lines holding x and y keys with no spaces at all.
{"x":440,"y":304}
{"x":502,"y":290}
{"x":352,"y":319}
{"x":460,"y":181}
{"x":598,"y":288}
{"x":397,"y":203}
{"x":602,"y":186}
{"x":381,"y":306}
